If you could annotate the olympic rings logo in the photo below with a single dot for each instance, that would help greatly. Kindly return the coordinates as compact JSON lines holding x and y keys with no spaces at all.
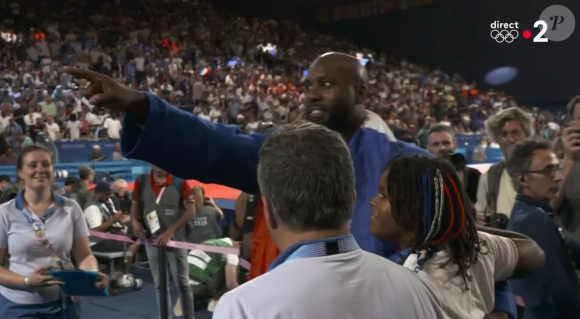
{"x":504,"y":35}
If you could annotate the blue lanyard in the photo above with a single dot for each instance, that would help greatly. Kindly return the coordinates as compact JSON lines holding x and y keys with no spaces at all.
{"x":316,"y":248}
{"x":400,"y":257}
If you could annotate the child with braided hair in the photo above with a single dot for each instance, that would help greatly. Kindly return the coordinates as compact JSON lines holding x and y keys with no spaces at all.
{"x":422,"y":207}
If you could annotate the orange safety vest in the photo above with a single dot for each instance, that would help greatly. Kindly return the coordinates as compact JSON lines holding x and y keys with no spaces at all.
{"x":264,"y":250}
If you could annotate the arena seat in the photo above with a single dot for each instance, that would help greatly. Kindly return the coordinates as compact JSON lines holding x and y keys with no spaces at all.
{"x":110,"y":257}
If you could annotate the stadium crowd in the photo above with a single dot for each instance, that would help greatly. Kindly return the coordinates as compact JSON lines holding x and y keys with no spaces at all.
{"x":223,"y":68}
{"x":251,"y":73}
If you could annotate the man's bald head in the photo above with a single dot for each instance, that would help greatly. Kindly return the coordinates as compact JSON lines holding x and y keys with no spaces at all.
{"x":345,"y":64}
{"x":336,"y":88}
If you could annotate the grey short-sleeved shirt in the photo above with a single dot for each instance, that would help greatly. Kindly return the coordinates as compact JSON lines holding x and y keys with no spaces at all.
{"x":26,"y":253}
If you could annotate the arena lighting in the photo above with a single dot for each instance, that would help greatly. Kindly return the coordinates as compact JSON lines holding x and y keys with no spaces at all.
{"x":501,"y":76}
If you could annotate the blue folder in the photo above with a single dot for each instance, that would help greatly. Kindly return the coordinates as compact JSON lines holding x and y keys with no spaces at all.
{"x":79,"y":283}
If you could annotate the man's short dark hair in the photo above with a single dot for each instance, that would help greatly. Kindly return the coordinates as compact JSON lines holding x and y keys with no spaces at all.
{"x":5,"y":178}
{"x":85,"y":172}
{"x":520,"y":158}
{"x":572,"y":105}
{"x":439,"y":128}
{"x":307,"y":175}
{"x":405,"y":136}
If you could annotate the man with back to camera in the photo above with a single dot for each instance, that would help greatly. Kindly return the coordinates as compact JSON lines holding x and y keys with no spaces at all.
{"x":337,"y":86}
{"x":306,"y":177}
{"x":441,"y":143}
{"x":551,"y":292}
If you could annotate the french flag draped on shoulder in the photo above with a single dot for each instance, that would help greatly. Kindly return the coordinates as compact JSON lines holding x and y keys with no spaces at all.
{"x":372,"y":147}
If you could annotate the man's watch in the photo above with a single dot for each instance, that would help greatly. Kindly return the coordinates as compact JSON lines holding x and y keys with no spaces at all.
{"x":26,"y":282}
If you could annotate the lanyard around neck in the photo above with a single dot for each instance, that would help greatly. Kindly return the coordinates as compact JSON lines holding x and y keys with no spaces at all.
{"x":316,"y":248}
{"x":159,"y":196}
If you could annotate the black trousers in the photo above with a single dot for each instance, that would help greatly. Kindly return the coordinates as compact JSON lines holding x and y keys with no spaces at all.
{"x":108,"y":246}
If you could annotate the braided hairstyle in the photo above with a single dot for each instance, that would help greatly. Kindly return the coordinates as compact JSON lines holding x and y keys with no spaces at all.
{"x":428,"y":200}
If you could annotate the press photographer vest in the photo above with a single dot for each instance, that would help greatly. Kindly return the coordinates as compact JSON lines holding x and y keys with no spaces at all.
{"x":169,"y":209}
{"x":205,"y":226}
{"x":493,"y":182}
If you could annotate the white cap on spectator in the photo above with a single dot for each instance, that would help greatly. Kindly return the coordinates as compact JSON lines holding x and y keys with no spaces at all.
{"x":96,"y":147}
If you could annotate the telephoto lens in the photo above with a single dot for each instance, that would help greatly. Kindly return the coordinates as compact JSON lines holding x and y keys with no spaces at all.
{"x":60,"y":174}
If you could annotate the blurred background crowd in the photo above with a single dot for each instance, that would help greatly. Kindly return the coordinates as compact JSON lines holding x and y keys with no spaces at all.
{"x":221,"y":67}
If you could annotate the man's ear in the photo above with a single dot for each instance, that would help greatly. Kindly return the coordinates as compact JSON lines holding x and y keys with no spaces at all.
{"x":521,"y":178}
{"x":360,"y":93}
{"x":269,"y":214}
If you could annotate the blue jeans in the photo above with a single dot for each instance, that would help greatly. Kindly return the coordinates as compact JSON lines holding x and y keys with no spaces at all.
{"x":49,"y":310}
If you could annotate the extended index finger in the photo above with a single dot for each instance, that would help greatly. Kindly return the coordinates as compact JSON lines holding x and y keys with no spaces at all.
{"x":83,"y":74}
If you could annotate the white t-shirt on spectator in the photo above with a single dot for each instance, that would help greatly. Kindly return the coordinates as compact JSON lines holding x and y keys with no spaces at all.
{"x":52,"y":129}
{"x":205,"y":117}
{"x":496,"y":263}
{"x":4,"y":122}
{"x":252,"y":127}
{"x":32,"y":53}
{"x":215,"y":114}
{"x":166,"y":87}
{"x":283,"y":112}
{"x":107,"y":60}
{"x":113,"y":128}
{"x":151,"y":80}
{"x":74,"y":128}
{"x":31,"y":121}
{"x":94,"y":216}
{"x":262,"y":104}
{"x":139,"y":64}
{"x":94,"y":55}
{"x":268,"y":116}
{"x":229,"y":81}
{"x":94,"y":119}
{"x":46,"y":63}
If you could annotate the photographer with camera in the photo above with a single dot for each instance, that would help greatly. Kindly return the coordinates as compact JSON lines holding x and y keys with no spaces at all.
{"x":495,"y":193}
{"x":567,"y":203}
{"x":552,"y":291}
{"x":207,"y":216}
{"x":441,"y":143}
{"x":121,"y":196}
{"x":102,"y":216}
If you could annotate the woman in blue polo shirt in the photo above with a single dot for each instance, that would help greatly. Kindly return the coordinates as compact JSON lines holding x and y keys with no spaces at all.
{"x":38,"y":231}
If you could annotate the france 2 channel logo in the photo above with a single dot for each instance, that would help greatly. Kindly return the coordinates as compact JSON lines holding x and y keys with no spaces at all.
{"x":556,"y":23}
